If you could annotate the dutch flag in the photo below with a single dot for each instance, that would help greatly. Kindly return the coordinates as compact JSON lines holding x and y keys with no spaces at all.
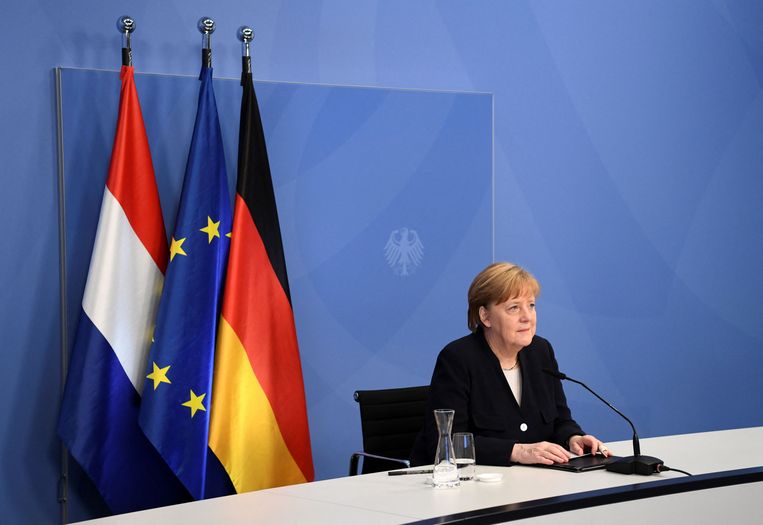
{"x":99,"y":412}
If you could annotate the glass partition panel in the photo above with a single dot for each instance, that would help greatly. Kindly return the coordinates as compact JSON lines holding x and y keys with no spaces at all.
{"x":355,"y":169}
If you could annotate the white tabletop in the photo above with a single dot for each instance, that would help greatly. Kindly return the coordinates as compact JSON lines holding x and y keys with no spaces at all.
{"x":383,"y":499}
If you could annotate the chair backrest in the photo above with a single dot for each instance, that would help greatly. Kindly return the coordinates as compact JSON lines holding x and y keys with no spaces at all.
{"x":390,"y":420}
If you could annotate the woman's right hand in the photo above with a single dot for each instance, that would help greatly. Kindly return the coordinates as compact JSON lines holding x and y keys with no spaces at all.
{"x":543,"y":452}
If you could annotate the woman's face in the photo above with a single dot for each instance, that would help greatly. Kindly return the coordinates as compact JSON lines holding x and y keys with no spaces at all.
{"x":510,"y":324}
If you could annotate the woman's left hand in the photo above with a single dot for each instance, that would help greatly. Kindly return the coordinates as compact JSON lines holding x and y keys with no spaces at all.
{"x":578,"y":445}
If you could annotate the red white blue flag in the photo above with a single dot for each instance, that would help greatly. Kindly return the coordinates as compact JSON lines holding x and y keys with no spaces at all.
{"x":99,"y":413}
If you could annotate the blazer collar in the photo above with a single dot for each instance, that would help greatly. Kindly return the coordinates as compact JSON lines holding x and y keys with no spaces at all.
{"x":496,"y":364}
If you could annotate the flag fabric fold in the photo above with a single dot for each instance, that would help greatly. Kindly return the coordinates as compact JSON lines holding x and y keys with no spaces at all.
{"x":259,"y":429}
{"x":98,"y":420}
{"x":178,"y":379}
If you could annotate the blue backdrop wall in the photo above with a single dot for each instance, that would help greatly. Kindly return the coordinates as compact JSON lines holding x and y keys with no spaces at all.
{"x":628,"y":154}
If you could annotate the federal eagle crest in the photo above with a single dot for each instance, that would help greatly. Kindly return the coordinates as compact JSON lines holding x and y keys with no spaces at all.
{"x":404,"y":251}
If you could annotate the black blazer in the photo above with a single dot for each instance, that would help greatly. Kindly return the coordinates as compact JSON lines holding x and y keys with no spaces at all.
{"x":468,"y":378}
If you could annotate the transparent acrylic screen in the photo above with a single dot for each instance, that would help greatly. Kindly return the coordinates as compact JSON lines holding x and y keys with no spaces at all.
{"x":354,"y":169}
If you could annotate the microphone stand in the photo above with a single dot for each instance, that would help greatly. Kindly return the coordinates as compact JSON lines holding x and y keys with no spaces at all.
{"x":635,"y":464}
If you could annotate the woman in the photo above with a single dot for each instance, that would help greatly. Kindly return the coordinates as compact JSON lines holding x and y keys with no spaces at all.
{"x":494,"y":380}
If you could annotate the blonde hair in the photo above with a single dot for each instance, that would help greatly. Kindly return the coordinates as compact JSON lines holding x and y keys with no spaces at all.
{"x":497,"y":283}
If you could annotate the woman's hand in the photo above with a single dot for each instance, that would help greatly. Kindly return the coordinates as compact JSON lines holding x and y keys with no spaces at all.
{"x":543,"y":452}
{"x":579,"y":443}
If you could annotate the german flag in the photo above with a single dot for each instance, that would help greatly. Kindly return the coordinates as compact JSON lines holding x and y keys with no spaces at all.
{"x":258,"y":426}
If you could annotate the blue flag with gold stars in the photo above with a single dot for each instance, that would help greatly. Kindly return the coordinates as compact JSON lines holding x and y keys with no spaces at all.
{"x":177,"y":391}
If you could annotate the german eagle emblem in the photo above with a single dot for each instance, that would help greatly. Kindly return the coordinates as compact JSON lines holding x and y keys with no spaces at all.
{"x":404,"y":251}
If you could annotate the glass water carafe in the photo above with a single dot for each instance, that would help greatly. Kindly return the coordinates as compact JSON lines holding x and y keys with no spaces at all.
{"x":445,"y":472}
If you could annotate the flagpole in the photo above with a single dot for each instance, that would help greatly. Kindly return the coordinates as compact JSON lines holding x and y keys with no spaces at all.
{"x":206,"y":27}
{"x":126,"y":26}
{"x":245,"y":35}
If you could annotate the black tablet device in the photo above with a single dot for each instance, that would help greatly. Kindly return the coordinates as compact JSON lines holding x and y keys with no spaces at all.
{"x":581,"y":463}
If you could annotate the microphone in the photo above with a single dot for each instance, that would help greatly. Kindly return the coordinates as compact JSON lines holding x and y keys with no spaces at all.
{"x":635,"y":464}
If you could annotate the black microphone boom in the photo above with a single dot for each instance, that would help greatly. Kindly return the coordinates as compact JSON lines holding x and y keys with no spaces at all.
{"x":635,"y":464}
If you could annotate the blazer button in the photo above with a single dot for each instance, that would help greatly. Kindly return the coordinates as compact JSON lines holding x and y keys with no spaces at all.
{"x":523,"y":427}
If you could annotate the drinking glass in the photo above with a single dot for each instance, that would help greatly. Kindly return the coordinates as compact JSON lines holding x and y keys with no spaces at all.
{"x":463,"y":448}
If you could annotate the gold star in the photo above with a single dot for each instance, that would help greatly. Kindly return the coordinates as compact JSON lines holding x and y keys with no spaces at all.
{"x":229,"y":234}
{"x":212,"y":229}
{"x":159,"y":375}
{"x":176,"y":248}
{"x":195,"y":403}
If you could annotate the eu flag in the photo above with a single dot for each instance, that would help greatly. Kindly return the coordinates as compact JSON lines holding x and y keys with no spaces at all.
{"x":177,"y":392}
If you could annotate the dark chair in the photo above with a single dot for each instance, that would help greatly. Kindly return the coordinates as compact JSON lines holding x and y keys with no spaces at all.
{"x":390,"y":421}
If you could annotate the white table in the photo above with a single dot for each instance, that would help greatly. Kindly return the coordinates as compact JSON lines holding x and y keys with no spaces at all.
{"x":379,"y":498}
